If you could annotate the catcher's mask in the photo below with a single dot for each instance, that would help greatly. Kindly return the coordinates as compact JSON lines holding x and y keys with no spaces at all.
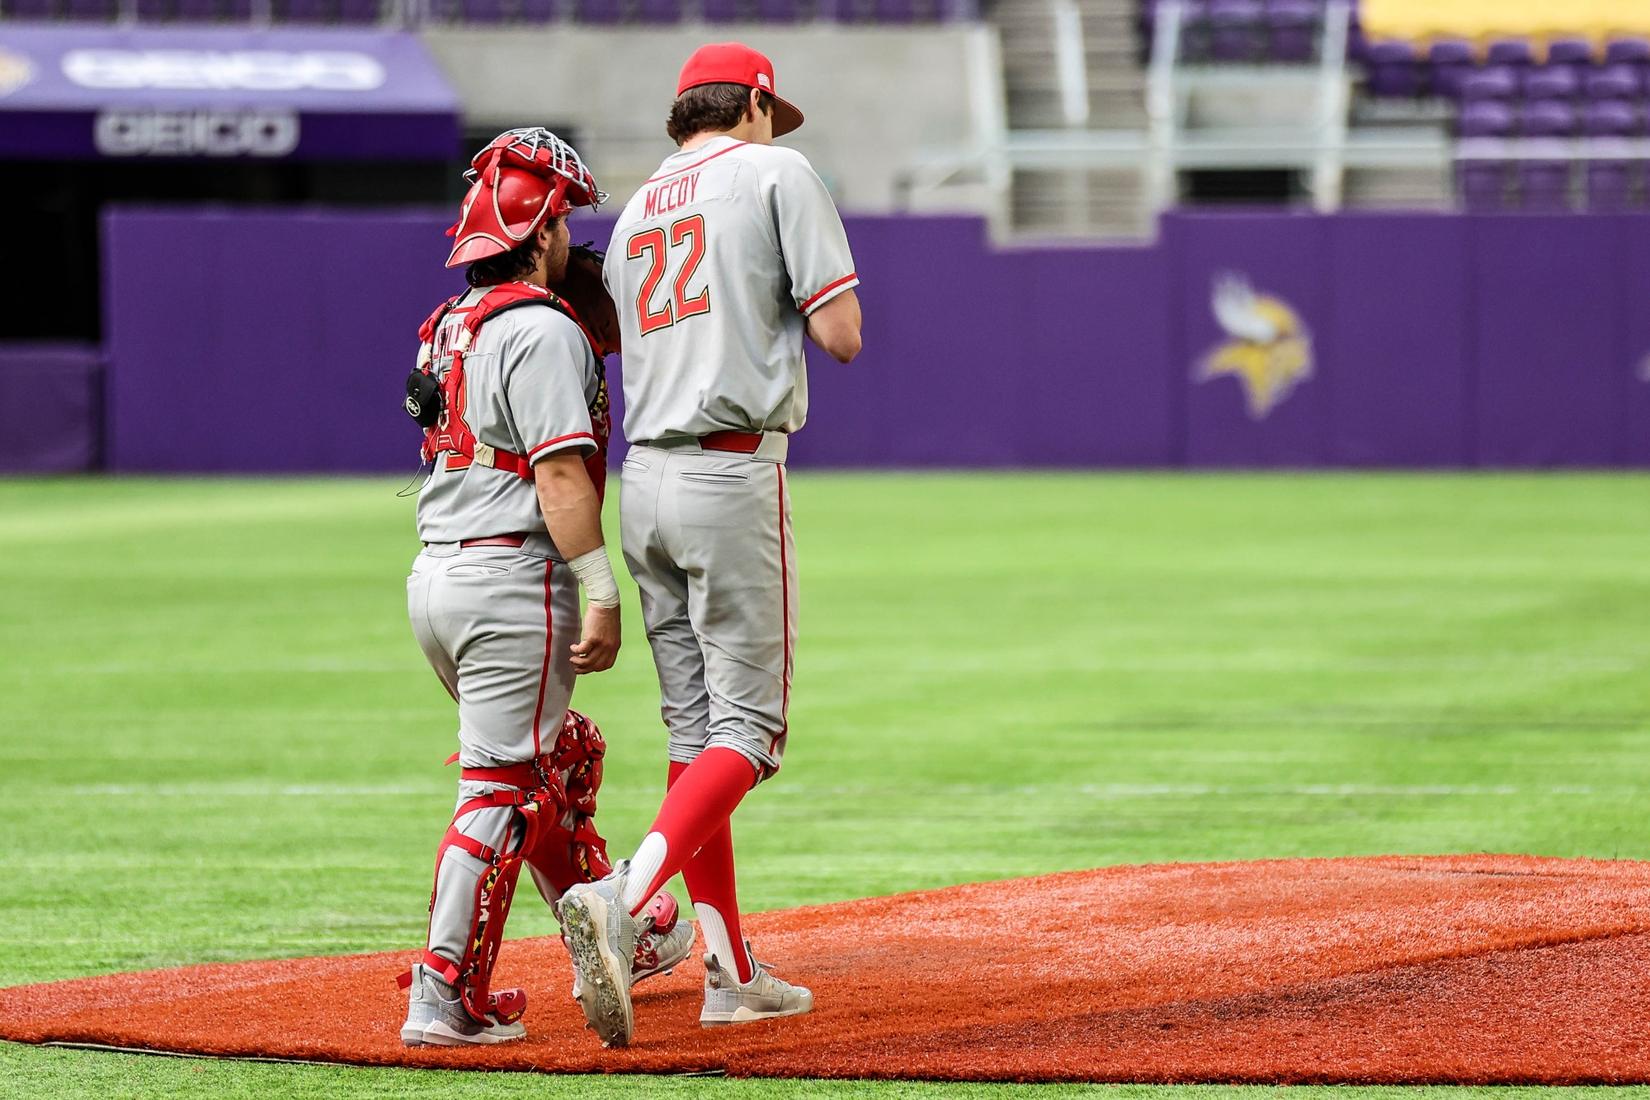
{"x":521,"y":179}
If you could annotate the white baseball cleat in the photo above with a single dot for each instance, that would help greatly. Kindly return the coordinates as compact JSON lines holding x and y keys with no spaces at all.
{"x":764,"y":997}
{"x":601,"y":936}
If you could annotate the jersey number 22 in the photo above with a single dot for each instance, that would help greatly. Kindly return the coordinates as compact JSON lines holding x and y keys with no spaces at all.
{"x":688,"y":233}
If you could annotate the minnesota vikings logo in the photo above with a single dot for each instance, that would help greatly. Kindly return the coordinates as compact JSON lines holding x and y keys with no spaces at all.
{"x":1268,"y":348}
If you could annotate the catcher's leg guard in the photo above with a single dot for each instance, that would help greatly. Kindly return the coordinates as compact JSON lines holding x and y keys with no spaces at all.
{"x":475,"y":882}
{"x":568,"y":850}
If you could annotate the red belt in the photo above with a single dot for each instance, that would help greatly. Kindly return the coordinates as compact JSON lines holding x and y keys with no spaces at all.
{"x":496,"y":540}
{"x":744,"y":443}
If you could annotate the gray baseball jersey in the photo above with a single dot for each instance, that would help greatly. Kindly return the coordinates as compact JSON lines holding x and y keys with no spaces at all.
{"x":529,"y":381}
{"x":714,"y":266}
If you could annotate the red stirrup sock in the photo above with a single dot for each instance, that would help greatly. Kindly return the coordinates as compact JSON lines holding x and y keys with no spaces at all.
{"x":712,"y":885}
{"x":710,"y":881}
{"x":701,"y":800}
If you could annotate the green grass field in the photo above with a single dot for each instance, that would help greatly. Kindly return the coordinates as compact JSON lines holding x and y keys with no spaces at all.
{"x":221,"y":742}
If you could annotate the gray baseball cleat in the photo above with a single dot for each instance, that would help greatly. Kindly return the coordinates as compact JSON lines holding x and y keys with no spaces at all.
{"x":656,"y":952}
{"x":660,"y":952}
{"x":601,"y":936}
{"x":437,"y":1017}
{"x":764,"y":997}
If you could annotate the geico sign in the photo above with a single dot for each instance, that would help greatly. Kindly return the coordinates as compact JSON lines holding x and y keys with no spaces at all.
{"x":233,"y":70}
{"x":196,"y":133}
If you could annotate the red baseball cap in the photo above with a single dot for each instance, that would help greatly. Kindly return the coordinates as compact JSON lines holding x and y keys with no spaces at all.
{"x":737,"y":63}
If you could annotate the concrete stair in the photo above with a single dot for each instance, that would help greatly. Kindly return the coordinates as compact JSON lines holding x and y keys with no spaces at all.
{"x":1073,"y":202}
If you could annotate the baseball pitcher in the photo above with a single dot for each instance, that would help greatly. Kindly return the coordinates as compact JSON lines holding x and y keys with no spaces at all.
{"x":718,"y":267}
{"x":510,"y":391}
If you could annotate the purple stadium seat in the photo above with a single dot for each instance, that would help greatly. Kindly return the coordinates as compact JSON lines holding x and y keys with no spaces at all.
{"x":1392,"y":69}
{"x":1575,"y":53}
{"x":1292,"y":29}
{"x":1496,"y":83}
{"x":148,"y":11}
{"x":1611,"y":181}
{"x":1235,"y":30}
{"x":721,"y":11}
{"x":1486,"y":119}
{"x":236,"y":11}
{"x":27,"y":9}
{"x":1549,"y":119}
{"x":535,"y":11}
{"x":1194,"y":30}
{"x":482,"y":11}
{"x":88,"y":9}
{"x":1510,"y":51}
{"x":1544,"y":185}
{"x":357,"y":11}
{"x":1627,"y":51}
{"x":659,"y":11}
{"x":1450,"y":60}
{"x":1610,"y":187}
{"x":303,"y":11}
{"x":197,"y":11}
{"x":841,"y":11}
{"x":1610,"y":118}
{"x":883,"y":11}
{"x":598,"y":11}
{"x":1550,"y":83}
{"x":1613,"y":82}
{"x":1483,"y":185}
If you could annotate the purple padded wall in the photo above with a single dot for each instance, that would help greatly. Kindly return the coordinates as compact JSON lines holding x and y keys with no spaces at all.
{"x":1634,"y":245}
{"x":55,"y":391}
{"x":1400,"y":383}
{"x":278,"y":344}
{"x":1549,"y":331}
{"x":1436,"y":340}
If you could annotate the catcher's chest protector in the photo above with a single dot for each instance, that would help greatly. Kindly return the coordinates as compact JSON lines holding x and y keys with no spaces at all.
{"x":451,"y":434}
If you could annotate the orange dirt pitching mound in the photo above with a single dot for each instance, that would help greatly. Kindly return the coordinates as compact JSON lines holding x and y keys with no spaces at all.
{"x":1469,"y":969}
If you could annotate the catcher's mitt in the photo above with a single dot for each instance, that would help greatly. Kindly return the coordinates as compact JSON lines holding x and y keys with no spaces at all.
{"x":582,"y":289}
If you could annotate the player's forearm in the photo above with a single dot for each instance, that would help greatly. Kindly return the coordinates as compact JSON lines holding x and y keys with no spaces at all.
{"x":573,"y":515}
{"x":834,"y":326}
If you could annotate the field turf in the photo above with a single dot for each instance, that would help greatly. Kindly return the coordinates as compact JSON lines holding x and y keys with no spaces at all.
{"x":221,"y":742}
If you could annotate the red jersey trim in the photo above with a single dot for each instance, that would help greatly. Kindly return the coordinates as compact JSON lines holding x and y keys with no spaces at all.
{"x":548,"y":443}
{"x":695,"y":164}
{"x":852,"y":276}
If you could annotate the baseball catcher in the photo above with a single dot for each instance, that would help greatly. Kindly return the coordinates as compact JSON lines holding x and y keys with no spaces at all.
{"x":511,"y":393}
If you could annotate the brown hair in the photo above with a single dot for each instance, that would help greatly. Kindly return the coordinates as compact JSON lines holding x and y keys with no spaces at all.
{"x":712,"y":107}
{"x":507,"y":266}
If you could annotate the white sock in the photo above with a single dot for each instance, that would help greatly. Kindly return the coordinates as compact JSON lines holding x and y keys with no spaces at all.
{"x":643,"y":866}
{"x":717,"y":942}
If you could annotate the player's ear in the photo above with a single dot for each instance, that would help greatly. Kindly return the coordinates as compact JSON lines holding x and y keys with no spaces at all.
{"x":753,"y":105}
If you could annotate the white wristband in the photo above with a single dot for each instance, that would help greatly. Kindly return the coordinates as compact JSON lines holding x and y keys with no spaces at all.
{"x":596,"y":575}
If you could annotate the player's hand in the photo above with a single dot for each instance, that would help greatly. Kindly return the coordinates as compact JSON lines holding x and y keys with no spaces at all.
{"x":599,"y":647}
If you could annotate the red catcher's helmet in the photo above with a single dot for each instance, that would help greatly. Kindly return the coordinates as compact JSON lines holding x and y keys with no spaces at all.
{"x":518,"y":181}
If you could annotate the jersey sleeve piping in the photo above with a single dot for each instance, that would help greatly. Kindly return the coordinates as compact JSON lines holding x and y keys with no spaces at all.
{"x":582,"y":440}
{"x":828,"y":291}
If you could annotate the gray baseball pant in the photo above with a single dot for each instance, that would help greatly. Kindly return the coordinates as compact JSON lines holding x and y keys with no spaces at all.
{"x":707,"y":535}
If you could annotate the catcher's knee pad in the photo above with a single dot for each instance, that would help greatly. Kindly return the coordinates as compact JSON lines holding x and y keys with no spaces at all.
{"x":567,"y":849}
{"x":495,"y":888}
